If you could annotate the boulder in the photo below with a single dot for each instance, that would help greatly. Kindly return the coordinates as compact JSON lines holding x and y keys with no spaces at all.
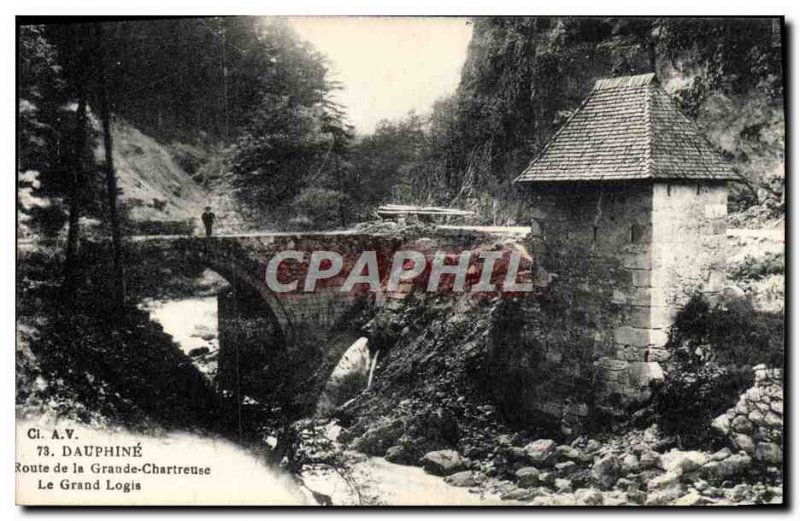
{"x":518,"y":494}
{"x":442,"y":462}
{"x":720,"y":454}
{"x":541,"y":452}
{"x":693,"y":498}
{"x":637,"y":497}
{"x":516,"y":454}
{"x":398,"y":454}
{"x":683,"y":461}
{"x":465,"y":478}
{"x":562,"y":485}
{"x":756,"y":417}
{"x":566,"y":468}
{"x":721,"y":424}
{"x":547,"y":478}
{"x":718,"y":471}
{"x":740,"y":494}
{"x":567,"y":452}
{"x":649,"y":459}
{"x":769,"y":452}
{"x":741,"y":424}
{"x":773,"y":420}
{"x":592,"y":446}
{"x":378,"y":438}
{"x":589,"y":496}
{"x":528,"y":477}
{"x":744,"y":442}
{"x":666,"y":480}
{"x":605,"y":471}
{"x":630,"y":464}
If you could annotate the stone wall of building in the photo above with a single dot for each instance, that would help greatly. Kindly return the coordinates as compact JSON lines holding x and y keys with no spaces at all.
{"x":610,"y":223}
{"x":669,"y":238}
{"x":688,"y":250}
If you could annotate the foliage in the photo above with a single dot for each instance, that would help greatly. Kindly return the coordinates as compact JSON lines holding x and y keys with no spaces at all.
{"x":525,"y":76}
{"x":295,"y":137}
{"x":91,"y":364}
{"x":757,"y":268}
{"x":323,"y":208}
{"x":382,"y":160}
{"x":713,"y":350}
{"x":733,"y":334}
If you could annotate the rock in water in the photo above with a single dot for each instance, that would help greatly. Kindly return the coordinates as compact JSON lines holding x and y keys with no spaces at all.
{"x":465,"y":478}
{"x":198,"y":351}
{"x":398,"y":454}
{"x":348,"y":378}
{"x":442,"y":462}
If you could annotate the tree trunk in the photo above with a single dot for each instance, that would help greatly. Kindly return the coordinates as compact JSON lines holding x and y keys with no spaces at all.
{"x":111,"y":178}
{"x":78,"y":176}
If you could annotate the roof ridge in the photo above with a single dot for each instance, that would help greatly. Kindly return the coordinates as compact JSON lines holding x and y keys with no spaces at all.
{"x":638,"y":80}
{"x":649,"y":160}
{"x":627,"y":128}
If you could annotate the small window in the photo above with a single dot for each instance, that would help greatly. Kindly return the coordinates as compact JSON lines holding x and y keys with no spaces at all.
{"x":637,"y":232}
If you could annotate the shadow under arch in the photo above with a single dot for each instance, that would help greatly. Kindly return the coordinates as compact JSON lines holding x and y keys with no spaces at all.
{"x":240,"y":270}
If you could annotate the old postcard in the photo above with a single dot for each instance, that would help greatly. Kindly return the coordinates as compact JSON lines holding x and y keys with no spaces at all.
{"x":440,"y":261}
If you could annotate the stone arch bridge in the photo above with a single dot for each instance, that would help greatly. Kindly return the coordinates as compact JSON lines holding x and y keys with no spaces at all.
{"x":242,"y":260}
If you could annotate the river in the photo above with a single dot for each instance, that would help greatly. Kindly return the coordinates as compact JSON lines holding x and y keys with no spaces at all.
{"x":192,"y":323}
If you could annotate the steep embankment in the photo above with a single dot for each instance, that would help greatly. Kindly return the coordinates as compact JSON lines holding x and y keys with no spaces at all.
{"x":153,"y":185}
{"x":164,"y":187}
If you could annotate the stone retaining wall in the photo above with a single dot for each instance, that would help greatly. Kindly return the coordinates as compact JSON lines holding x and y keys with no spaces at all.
{"x":755,"y":424}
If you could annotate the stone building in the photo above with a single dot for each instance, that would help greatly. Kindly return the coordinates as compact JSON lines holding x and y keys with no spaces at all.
{"x":631,"y":178}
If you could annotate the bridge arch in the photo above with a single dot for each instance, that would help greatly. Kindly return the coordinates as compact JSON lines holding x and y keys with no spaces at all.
{"x":241,"y":270}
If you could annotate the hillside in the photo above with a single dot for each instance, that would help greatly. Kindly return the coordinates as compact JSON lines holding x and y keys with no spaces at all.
{"x":153,"y":186}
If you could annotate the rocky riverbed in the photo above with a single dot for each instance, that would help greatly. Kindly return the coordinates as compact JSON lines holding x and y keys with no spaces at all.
{"x":634,"y":469}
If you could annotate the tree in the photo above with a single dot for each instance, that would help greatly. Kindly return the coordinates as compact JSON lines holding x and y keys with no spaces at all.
{"x":296,"y":136}
{"x":111,"y":176}
{"x":383,"y":159}
{"x":41,"y":151}
{"x":524,"y":76}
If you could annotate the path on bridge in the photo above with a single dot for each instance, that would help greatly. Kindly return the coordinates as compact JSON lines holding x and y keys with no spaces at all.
{"x":499,"y":230}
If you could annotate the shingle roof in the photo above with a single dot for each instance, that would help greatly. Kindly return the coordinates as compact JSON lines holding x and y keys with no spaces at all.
{"x":628,"y":128}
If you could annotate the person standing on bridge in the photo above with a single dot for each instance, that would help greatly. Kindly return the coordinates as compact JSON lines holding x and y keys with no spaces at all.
{"x":208,"y":220}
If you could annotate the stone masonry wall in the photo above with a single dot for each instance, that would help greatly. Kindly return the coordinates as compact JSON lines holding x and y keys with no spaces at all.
{"x":755,"y":424}
{"x":613,"y":222}
{"x":669,"y":237}
{"x":688,"y":251}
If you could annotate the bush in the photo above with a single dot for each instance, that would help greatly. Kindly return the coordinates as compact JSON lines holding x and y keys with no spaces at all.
{"x":713,"y":350}
{"x":730,"y":334}
{"x":324,"y":208}
{"x":752,"y":268}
